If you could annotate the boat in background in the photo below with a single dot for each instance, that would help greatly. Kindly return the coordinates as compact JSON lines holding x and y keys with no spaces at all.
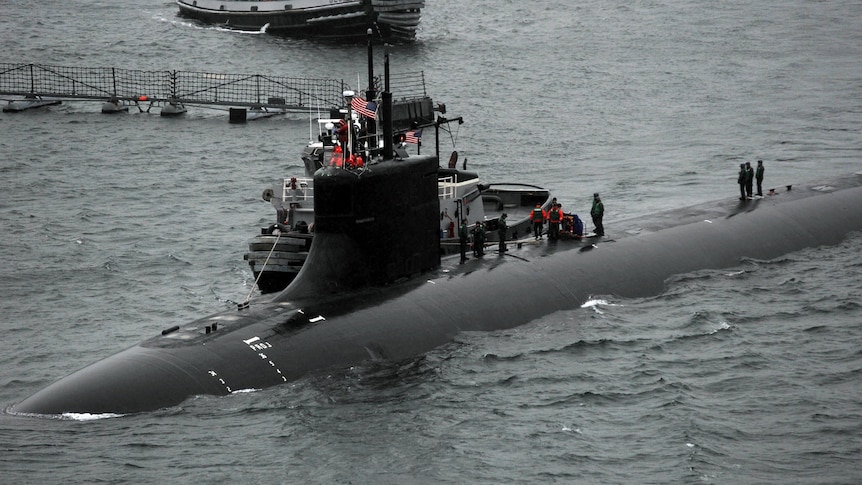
{"x":387,"y":20}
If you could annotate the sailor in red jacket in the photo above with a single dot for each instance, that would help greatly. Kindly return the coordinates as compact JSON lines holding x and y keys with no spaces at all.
{"x":555,"y":218}
{"x":538,"y":216}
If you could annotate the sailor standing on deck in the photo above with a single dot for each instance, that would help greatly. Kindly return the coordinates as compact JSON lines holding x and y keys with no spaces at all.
{"x":749,"y":180}
{"x":463,"y":234}
{"x":597,"y":212}
{"x":538,"y":217}
{"x":758,"y":175}
{"x":502,"y":227}
{"x":741,"y":181}
{"x":555,"y":217}
{"x":478,"y":240}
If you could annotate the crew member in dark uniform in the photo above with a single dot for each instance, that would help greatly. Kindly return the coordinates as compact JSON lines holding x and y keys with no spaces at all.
{"x":741,"y":181}
{"x":758,"y":175}
{"x":749,"y":180}
{"x":478,"y":240}
{"x":502,"y":227}
{"x":597,"y":212}
{"x":462,"y":239}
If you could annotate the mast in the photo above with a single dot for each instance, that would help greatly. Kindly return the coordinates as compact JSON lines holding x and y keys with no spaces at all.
{"x":387,"y":111}
{"x":371,"y":95}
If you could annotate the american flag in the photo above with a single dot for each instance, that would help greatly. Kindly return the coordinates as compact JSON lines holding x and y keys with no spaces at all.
{"x":414,"y":136}
{"x":365,"y":108}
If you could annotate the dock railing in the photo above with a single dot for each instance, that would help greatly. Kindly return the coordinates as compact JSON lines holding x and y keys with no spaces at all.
{"x":204,"y":88}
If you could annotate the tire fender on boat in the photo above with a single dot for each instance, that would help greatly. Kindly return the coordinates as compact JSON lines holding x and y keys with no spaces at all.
{"x":453,"y":159}
{"x":267,"y":194}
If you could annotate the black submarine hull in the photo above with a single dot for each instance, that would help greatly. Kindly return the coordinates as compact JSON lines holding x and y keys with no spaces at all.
{"x":335,"y":316}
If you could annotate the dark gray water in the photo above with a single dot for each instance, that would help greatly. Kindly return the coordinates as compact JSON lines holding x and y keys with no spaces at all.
{"x":116,"y":227}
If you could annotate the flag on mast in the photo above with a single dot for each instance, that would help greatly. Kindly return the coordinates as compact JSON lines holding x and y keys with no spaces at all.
{"x":365,"y":108}
{"x":413,"y":136}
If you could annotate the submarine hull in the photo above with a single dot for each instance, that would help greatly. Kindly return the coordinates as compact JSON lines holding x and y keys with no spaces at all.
{"x":325,"y":320}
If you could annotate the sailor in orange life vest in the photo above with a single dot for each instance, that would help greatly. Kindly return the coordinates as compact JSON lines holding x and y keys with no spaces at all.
{"x":337,"y":159}
{"x":555,"y":217}
{"x":538,"y":216}
{"x":342,"y":132}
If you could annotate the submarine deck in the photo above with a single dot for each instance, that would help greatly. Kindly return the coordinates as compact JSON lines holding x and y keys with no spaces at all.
{"x":617,"y":229}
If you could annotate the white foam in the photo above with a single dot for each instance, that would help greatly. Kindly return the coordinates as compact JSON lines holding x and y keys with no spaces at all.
{"x":90,"y":416}
{"x":594,"y":303}
{"x":245,"y":391}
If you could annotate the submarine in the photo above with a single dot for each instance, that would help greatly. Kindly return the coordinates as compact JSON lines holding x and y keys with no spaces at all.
{"x":357,"y":299}
{"x":360,"y":298}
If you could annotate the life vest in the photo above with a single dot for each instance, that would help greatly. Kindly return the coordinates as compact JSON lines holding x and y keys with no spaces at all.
{"x":538,"y":216}
{"x":554,"y":216}
{"x":337,"y":159}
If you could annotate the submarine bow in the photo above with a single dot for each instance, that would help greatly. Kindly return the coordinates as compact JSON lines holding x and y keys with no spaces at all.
{"x":356,"y":301}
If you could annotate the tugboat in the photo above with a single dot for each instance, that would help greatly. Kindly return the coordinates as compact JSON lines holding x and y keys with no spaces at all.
{"x":277,"y":254}
{"x":342,"y":20}
{"x":349,"y":137}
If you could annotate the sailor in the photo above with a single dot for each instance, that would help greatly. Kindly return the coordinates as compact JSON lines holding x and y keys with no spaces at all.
{"x":342,"y":132}
{"x":597,"y":212}
{"x":502,"y":227}
{"x":758,"y":175}
{"x":577,"y":226}
{"x":337,"y":159}
{"x":741,"y":181}
{"x":462,"y":239}
{"x":555,"y":217}
{"x":478,"y":240}
{"x":749,"y":180}
{"x":538,"y":217}
{"x":568,"y":225}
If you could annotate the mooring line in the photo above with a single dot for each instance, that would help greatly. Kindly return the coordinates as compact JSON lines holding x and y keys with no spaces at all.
{"x":244,"y":304}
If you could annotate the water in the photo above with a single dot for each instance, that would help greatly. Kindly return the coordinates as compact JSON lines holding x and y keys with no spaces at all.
{"x":115,"y":227}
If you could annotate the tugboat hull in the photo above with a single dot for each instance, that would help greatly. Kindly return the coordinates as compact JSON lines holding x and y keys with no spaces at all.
{"x":389,"y":20}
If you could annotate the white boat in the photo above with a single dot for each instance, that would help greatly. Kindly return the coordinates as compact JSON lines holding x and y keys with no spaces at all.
{"x":277,"y":254}
{"x":388,"y":20}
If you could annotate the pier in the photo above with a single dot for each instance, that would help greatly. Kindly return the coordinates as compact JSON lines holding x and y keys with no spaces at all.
{"x":172,"y":91}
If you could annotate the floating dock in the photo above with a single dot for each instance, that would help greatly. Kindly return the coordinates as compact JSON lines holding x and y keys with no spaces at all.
{"x":27,"y":86}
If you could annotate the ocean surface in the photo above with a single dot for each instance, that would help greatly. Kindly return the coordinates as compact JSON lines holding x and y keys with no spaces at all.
{"x":115,"y":227}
